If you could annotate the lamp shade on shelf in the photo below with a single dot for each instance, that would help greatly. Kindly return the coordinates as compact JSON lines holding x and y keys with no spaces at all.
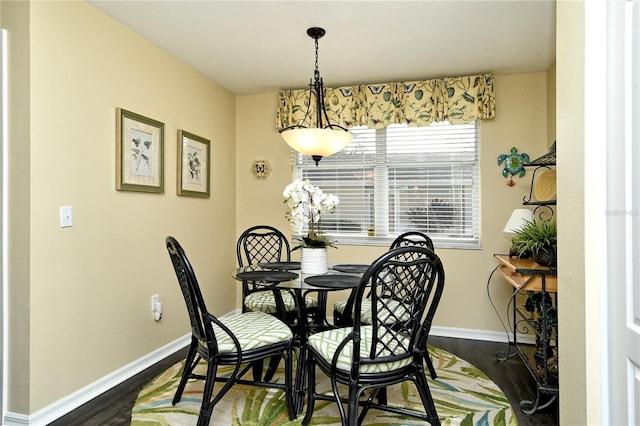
{"x":517,"y":220}
{"x":317,"y":142}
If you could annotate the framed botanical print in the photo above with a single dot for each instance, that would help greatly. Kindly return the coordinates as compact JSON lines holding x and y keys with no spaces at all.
{"x":139,"y":153}
{"x":193,"y":165}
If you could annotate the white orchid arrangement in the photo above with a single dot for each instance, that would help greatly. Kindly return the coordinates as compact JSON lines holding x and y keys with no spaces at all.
{"x":308,"y":203}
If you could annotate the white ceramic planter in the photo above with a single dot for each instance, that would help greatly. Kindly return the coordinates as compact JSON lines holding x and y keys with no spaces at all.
{"x":313,"y":261}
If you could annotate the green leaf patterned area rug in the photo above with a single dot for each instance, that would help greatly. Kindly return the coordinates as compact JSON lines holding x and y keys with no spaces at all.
{"x":463,"y":395}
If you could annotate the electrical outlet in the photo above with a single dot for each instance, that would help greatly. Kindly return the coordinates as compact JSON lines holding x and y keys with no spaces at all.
{"x":155,"y":299}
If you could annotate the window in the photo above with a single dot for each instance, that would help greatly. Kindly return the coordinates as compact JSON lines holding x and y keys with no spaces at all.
{"x":403,"y":178}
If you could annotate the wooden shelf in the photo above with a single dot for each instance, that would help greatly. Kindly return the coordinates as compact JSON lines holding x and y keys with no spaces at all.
{"x":526,"y":274}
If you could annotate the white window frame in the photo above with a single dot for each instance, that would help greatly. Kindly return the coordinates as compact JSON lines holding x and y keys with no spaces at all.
{"x":303,"y":165}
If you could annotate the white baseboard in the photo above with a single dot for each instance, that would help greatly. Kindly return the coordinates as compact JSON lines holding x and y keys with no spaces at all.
{"x":489,"y":336}
{"x":471,"y":334}
{"x":84,"y":395}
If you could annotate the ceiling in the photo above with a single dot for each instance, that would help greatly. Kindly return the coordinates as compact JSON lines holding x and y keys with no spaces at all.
{"x":253,"y":47}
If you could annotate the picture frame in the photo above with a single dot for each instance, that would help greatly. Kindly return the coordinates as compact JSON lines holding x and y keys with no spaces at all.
{"x":139,"y":153}
{"x":194,"y":156}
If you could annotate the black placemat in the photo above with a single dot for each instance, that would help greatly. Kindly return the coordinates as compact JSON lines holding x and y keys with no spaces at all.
{"x":351,"y":268}
{"x":333,"y":281}
{"x":267,"y":276}
{"x":282,"y":266}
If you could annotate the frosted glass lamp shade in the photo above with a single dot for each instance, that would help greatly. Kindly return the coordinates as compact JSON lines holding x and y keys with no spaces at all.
{"x":517,"y":220}
{"x":317,"y":142}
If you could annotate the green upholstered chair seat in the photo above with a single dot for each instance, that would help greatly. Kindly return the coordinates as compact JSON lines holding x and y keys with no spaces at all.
{"x":264,"y":301}
{"x":252,"y":329}
{"x":326,"y":343}
{"x":391,"y":311}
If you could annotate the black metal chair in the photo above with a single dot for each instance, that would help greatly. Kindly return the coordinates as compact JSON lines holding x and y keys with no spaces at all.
{"x":405,"y":284}
{"x":342,"y":311}
{"x":266,"y":244}
{"x":238,"y":340}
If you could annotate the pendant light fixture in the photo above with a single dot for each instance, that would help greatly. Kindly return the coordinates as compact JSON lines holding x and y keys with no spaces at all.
{"x":325,"y":138}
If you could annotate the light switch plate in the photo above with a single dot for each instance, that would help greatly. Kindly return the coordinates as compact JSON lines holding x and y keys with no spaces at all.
{"x":155,"y":299}
{"x":66,"y":217}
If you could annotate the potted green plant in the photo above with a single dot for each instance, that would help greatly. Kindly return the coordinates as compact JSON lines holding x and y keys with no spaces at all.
{"x":539,"y":238}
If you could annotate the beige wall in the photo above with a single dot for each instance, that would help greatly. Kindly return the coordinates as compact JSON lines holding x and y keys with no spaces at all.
{"x":87,"y":293}
{"x":520,"y":121}
{"x":551,"y":104}
{"x":571,"y":230}
{"x":15,"y":19}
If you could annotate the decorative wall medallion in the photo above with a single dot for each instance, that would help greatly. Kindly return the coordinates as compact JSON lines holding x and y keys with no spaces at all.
{"x":261,"y":169}
{"x":513,"y":164}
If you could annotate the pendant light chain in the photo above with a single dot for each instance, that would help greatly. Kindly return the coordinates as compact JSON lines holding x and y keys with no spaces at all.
{"x":316,"y":73}
{"x":318,"y":87}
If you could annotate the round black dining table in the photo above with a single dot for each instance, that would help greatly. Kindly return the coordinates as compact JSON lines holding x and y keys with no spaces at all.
{"x":288,"y":277}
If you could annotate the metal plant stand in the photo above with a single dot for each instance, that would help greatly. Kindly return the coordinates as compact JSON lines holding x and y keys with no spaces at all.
{"x":538,"y":314}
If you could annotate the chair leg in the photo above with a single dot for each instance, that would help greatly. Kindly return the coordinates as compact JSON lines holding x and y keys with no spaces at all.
{"x":311,"y":389}
{"x":432,"y":370}
{"x":352,"y":409}
{"x":204,"y":418}
{"x":382,"y":396}
{"x":427,"y":399}
{"x":288,"y":383}
{"x":320,"y":313}
{"x":189,"y":365}
{"x":273,"y":366}
{"x":336,"y":394}
{"x":256,"y":368}
{"x":206,"y":408}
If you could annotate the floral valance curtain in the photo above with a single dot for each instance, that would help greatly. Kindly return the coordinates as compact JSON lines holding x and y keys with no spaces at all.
{"x":417,"y":103}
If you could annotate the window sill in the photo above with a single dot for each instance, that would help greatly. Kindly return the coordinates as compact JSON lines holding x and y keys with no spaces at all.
{"x":353,"y":240}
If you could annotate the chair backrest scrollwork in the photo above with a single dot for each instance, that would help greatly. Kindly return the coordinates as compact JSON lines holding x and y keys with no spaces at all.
{"x":262,"y":243}
{"x":405,"y":286}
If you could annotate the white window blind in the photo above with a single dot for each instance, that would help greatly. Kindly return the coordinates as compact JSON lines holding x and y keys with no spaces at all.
{"x":402,"y":178}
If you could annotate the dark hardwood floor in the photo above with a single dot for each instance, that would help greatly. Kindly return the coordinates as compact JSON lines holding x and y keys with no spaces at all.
{"x":114,"y":406}
{"x":511,"y":375}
